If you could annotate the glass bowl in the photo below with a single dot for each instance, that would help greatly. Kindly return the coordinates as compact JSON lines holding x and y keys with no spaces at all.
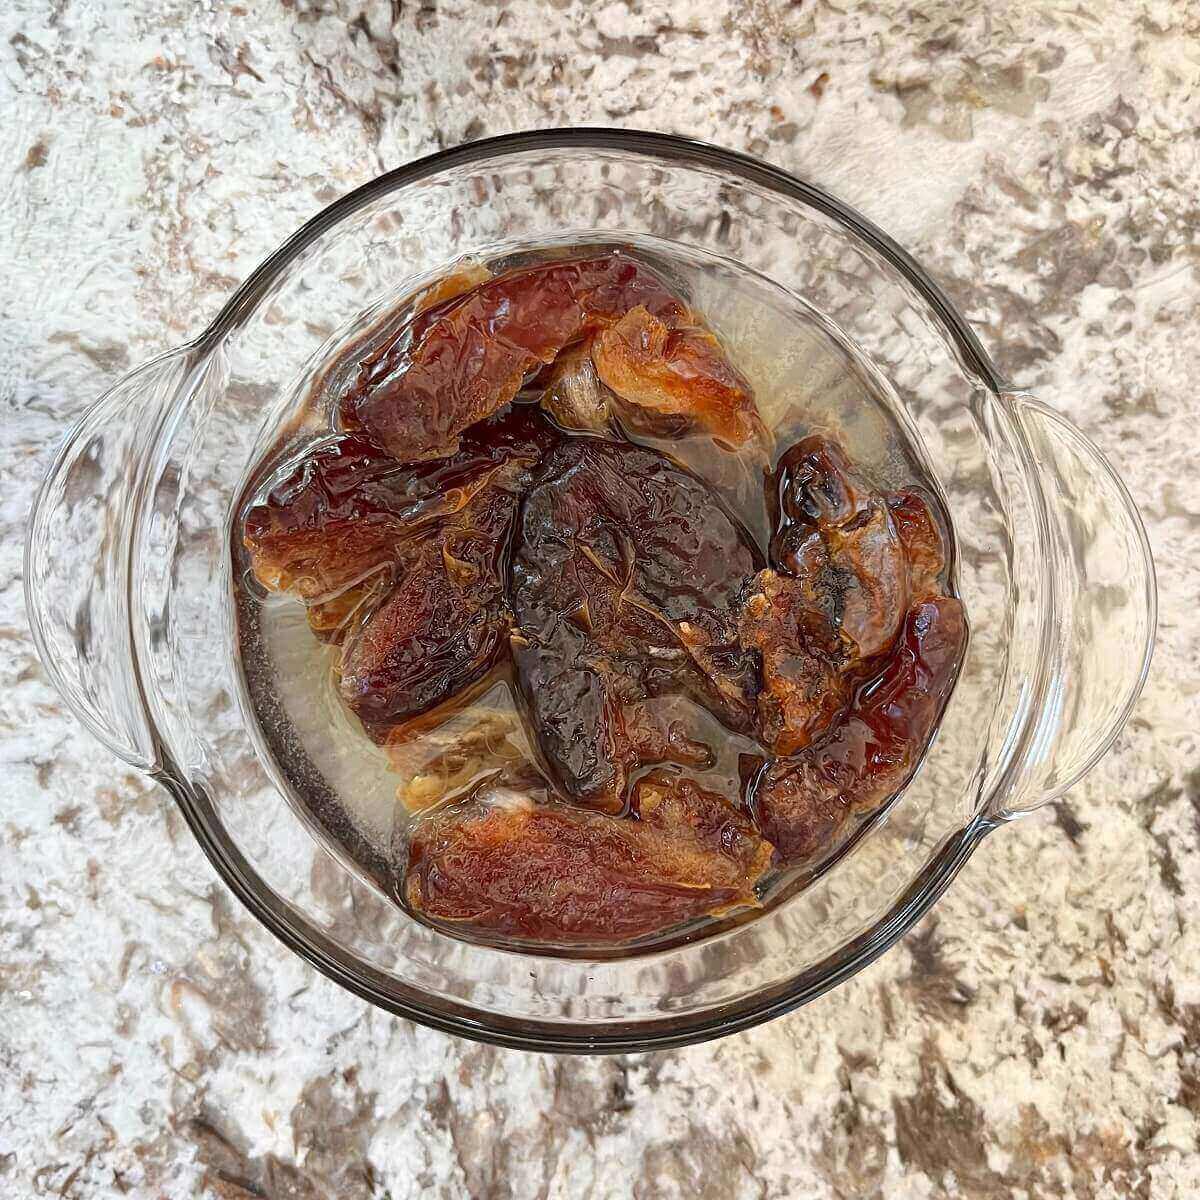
{"x":130,"y":590}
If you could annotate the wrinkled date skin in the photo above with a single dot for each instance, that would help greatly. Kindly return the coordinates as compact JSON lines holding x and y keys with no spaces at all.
{"x":427,"y":543}
{"x":924,"y":548}
{"x":347,"y":511}
{"x":832,"y":531}
{"x":443,"y":625}
{"x":330,"y":527}
{"x":837,"y":594}
{"x":858,"y":648}
{"x":669,"y":373}
{"x":566,"y":875}
{"x":625,"y":568}
{"x":802,"y":802}
{"x":465,"y":357}
{"x":805,"y":684}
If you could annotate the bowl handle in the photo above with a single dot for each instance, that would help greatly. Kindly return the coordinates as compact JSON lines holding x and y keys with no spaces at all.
{"x":1102,"y":605}
{"x":80,"y":553}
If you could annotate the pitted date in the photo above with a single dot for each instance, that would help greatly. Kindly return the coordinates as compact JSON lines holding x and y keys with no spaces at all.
{"x":558,"y":873}
{"x":801,"y":803}
{"x":671,"y":374}
{"x":465,"y":358}
{"x":624,"y":566}
{"x":848,"y":562}
{"x":445,"y":622}
{"x":836,"y":535}
{"x":334,"y":527}
{"x":805,"y":684}
{"x":328,"y":529}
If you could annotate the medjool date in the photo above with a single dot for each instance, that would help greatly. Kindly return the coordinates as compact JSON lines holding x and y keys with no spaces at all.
{"x":672,"y":374}
{"x":346,"y":512}
{"x":463,"y":359}
{"x":834,"y":532}
{"x":622,"y":562}
{"x":404,"y":564}
{"x":444,"y":624}
{"x":844,"y":578}
{"x":553,"y":872}
{"x":805,"y":686}
{"x":803,"y":801}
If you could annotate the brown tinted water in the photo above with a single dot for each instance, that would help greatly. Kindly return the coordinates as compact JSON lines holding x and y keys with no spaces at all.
{"x":374,"y":793}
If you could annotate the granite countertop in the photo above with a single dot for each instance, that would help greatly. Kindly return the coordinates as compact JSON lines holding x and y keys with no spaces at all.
{"x":1038,"y":1035}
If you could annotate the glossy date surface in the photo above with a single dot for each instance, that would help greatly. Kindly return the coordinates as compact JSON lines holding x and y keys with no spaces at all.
{"x":465,"y":357}
{"x":553,"y":872}
{"x":623,"y":559}
{"x":803,"y":802}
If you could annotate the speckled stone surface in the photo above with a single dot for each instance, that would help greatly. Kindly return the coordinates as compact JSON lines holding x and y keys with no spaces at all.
{"x":1038,"y":1036}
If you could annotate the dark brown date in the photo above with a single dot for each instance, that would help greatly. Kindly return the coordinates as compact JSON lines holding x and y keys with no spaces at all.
{"x":835,"y":601}
{"x":803,"y":802}
{"x":562,"y":874}
{"x":335,"y":527}
{"x":466,"y":357}
{"x":329,"y":528}
{"x":805,"y":683}
{"x":445,"y":623}
{"x":625,"y":570}
{"x":834,"y":532}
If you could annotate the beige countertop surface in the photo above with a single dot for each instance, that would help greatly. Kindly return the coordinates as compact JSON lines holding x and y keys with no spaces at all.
{"x":1038,"y":1035}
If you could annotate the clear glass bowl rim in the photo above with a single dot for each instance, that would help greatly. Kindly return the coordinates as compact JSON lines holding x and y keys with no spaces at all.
{"x":560,"y":1035}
